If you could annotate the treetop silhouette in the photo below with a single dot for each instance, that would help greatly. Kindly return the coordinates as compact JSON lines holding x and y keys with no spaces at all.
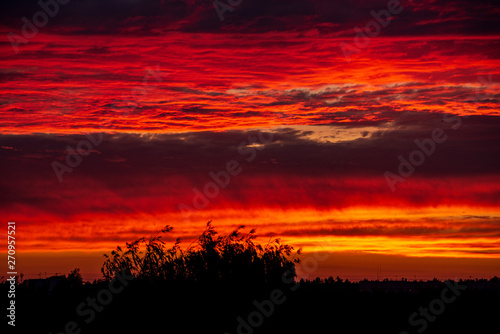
{"x":212,"y":257}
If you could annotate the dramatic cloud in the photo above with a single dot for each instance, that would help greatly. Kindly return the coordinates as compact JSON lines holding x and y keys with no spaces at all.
{"x":234,"y":82}
{"x":318,"y":16}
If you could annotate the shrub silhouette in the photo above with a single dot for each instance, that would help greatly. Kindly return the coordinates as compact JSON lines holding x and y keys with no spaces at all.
{"x":213,"y":257}
{"x":74,"y":278}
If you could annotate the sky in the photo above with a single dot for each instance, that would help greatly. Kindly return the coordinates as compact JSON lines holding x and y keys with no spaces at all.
{"x":366,"y":131}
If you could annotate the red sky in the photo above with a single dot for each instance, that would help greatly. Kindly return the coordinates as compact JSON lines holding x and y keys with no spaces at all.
{"x":176,"y":94}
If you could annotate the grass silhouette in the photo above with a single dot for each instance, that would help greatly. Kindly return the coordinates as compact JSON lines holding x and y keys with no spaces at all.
{"x":232,"y":257}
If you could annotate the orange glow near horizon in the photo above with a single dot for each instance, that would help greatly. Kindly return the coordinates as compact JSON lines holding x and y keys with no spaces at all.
{"x":423,"y":232}
{"x":449,"y":224}
{"x":435,"y":234}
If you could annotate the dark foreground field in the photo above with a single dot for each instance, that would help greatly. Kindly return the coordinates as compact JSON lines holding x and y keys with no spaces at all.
{"x":326,"y":306}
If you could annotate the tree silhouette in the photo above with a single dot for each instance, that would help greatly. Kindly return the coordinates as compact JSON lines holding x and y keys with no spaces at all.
{"x":75,"y":278}
{"x":233,"y":257}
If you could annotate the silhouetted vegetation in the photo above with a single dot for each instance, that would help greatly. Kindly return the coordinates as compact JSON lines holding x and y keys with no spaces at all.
{"x":214,"y":257}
